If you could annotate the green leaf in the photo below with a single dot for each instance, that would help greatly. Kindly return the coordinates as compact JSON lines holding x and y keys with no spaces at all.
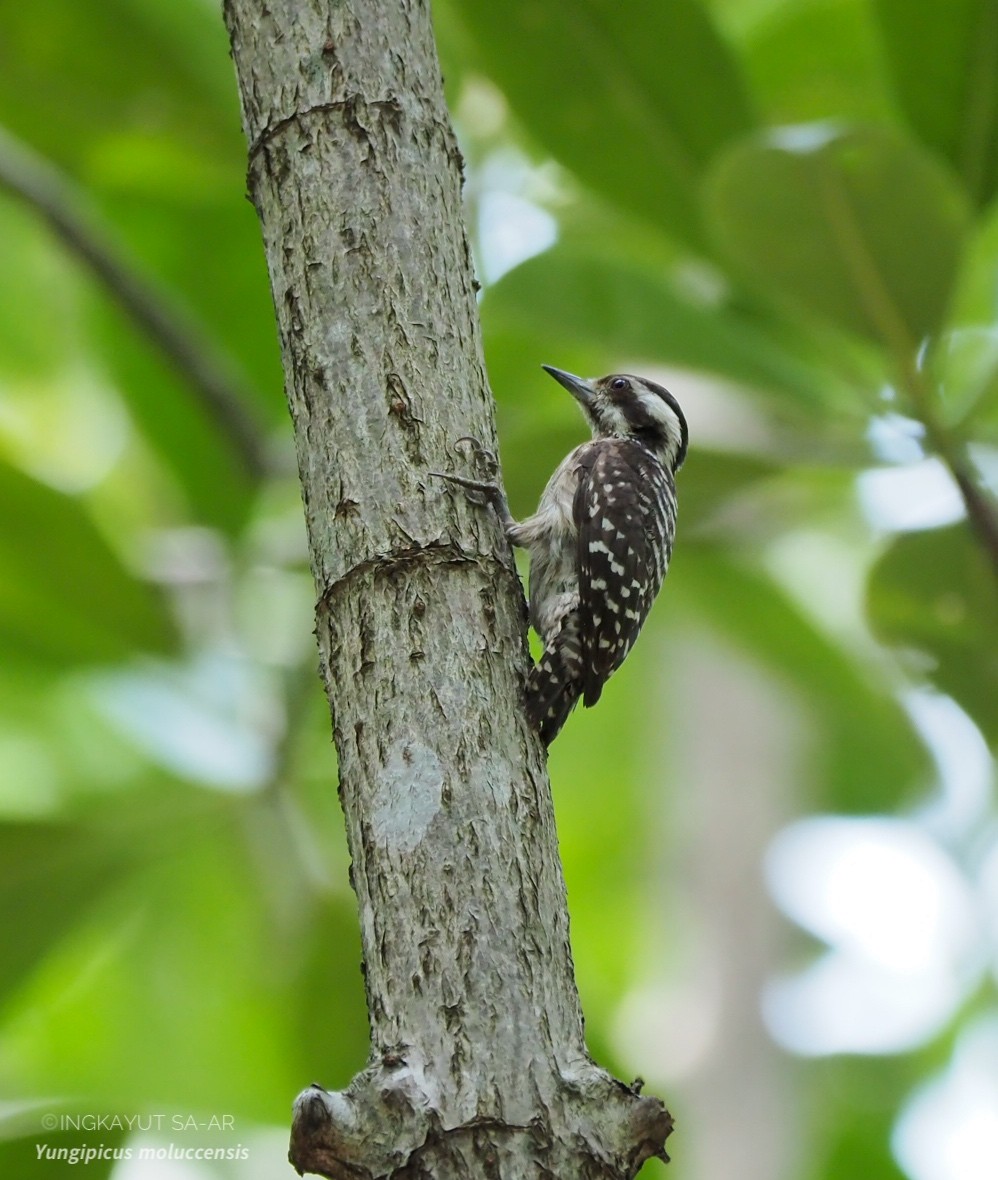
{"x":138,"y":101}
{"x":29,"y":1148}
{"x":210,"y":256}
{"x":974,"y":299}
{"x":55,"y":322}
{"x":618,"y":94}
{"x":214,"y":949}
{"x":53,"y":874}
{"x":817,"y":60}
{"x":966,"y":367}
{"x":606,"y":862}
{"x":854,"y":1111}
{"x":710,"y":480}
{"x":624,"y":312}
{"x":50,"y":877}
{"x":965,"y":363}
{"x":75,"y":78}
{"x":856,"y":226}
{"x":172,"y":421}
{"x":867,"y":755}
{"x":65,"y":597}
{"x":37,"y":297}
{"x":943,"y":57}
{"x":936,"y":593}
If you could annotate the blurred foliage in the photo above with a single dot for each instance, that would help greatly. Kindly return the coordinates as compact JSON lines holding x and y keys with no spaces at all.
{"x":782,"y":207}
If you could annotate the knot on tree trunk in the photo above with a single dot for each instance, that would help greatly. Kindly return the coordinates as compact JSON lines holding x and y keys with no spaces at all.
{"x":388,"y":1126}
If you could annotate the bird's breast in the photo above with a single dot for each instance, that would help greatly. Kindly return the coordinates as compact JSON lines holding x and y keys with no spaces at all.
{"x":551,"y":538}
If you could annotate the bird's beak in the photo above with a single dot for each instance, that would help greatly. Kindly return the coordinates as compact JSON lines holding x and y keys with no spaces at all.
{"x":581,"y":390}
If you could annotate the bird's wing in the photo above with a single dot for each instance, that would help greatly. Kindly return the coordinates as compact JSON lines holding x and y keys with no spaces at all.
{"x":624,"y":510}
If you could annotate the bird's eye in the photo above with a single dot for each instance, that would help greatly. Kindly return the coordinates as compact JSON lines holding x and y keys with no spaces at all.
{"x":618,"y":383}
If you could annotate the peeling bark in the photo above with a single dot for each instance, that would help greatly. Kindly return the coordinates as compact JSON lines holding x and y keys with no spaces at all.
{"x":478,"y":1063}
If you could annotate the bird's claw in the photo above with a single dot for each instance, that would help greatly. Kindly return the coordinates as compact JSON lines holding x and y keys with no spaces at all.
{"x":478,"y":491}
{"x":484,"y":459}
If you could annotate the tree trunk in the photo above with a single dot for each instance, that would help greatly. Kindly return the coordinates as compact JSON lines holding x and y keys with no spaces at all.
{"x":478,"y":1064}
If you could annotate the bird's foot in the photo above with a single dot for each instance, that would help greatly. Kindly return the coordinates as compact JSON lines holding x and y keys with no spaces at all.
{"x":478,"y":491}
{"x":484,"y":459}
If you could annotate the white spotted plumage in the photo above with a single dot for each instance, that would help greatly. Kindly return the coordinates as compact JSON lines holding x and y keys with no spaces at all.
{"x":600,"y":541}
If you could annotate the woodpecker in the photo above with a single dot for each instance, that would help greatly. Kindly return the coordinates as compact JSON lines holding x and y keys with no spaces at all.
{"x":600,"y":541}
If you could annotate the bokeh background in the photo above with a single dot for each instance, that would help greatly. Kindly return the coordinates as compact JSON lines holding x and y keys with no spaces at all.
{"x":778,"y":828}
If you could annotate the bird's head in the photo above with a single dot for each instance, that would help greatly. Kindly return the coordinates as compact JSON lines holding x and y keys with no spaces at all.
{"x":624,"y":406}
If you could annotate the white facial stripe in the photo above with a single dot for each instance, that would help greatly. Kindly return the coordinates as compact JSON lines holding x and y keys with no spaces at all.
{"x":608,"y":418}
{"x":660,"y":411}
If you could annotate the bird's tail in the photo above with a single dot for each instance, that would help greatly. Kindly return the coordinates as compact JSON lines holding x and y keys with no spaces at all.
{"x":554,"y":684}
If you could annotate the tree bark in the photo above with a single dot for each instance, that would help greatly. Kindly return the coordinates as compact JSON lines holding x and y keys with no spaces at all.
{"x":478,"y":1063}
